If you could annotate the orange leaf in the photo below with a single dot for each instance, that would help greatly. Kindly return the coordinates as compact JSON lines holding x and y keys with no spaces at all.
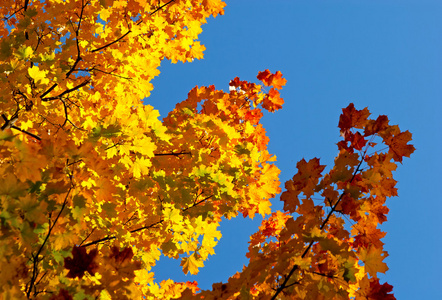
{"x":373,"y":260}
{"x":352,"y":117}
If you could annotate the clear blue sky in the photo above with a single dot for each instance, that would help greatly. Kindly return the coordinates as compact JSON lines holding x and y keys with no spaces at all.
{"x":384,"y":55}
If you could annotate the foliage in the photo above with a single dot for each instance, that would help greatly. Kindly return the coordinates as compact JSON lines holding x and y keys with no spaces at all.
{"x":94,"y":188}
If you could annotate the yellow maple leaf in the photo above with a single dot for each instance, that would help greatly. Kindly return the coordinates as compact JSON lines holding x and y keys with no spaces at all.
{"x":264,"y":207}
{"x":38,"y":75}
{"x":191,"y":264}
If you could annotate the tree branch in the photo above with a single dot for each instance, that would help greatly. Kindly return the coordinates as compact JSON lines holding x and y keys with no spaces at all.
{"x":129,"y":31}
{"x":108,"y":238}
{"x":176,"y":154}
{"x":35,"y":259}
{"x":295,"y":267}
{"x":77,"y":60}
{"x":67,"y":91}
{"x":27,"y":132}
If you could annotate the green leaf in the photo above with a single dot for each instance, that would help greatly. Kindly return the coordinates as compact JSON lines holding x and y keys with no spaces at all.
{"x":349,"y":272}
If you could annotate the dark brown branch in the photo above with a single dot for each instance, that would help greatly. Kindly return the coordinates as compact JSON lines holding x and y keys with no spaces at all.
{"x":9,"y":122}
{"x":177,"y":154}
{"x":147,"y":227}
{"x":295,"y":267}
{"x":129,"y":31}
{"x":77,"y":32}
{"x":35,"y":259}
{"x":197,"y":203}
{"x":27,"y":132}
{"x":111,"y":43}
{"x":67,"y":91}
{"x":108,"y":238}
{"x":99,"y":241}
{"x":113,"y":146}
{"x":84,"y":240}
{"x":77,"y":60}
{"x":48,"y":90}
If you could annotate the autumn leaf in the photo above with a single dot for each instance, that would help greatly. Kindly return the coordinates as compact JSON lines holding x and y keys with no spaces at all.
{"x":375,"y":126}
{"x":373,"y":260}
{"x":81,"y":262}
{"x":38,"y":75}
{"x":352,"y":117}
{"x":96,"y":188}
{"x":270,"y":79}
{"x":307,"y":176}
{"x":380,"y":291}
{"x":191,"y":264}
{"x":123,"y":262}
{"x":398,"y":145}
{"x":273,"y":101}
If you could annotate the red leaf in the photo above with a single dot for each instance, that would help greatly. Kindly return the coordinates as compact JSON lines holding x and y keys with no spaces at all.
{"x":380,"y":292}
{"x":81,"y":262}
{"x":353,"y":118}
{"x":398,"y":145}
{"x":373,"y":126}
{"x":264,"y":77}
{"x":273,"y":101}
{"x":269,"y":79}
{"x":120,"y":257}
{"x":62,"y":295}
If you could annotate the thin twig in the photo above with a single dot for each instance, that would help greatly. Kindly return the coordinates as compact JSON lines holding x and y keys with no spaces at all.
{"x":35,"y":257}
{"x":295,"y":267}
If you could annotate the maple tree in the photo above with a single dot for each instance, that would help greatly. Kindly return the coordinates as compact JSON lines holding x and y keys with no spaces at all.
{"x":94,"y":188}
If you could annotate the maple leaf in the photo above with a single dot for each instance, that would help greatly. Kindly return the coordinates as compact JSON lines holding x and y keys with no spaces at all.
{"x":380,"y":292}
{"x":352,"y":117}
{"x":398,"y":145}
{"x":373,"y":126}
{"x":191,"y":264}
{"x":307,"y":176}
{"x":290,"y":197}
{"x":357,"y":141}
{"x":270,"y":79}
{"x":92,"y":164}
{"x":81,"y":262}
{"x":123,"y":263}
{"x":272,"y":101}
{"x":38,"y":75}
{"x":373,"y":260}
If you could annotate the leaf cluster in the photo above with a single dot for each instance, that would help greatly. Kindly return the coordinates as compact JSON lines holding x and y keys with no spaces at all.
{"x":94,"y":188}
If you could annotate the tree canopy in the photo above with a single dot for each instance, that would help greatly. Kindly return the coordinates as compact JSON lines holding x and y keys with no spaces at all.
{"x":95,"y":188}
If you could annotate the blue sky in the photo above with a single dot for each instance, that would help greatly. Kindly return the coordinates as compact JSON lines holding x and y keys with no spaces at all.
{"x":384,"y":55}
